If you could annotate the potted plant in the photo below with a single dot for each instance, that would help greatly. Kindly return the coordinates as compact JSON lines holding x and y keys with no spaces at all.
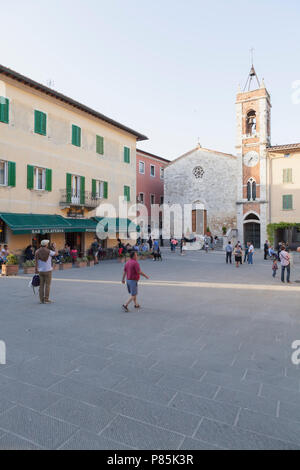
{"x":208,"y":231}
{"x":90,"y":261}
{"x":66,"y":263}
{"x":11,"y":267}
{"x":224,"y":230}
{"x":29,"y":267}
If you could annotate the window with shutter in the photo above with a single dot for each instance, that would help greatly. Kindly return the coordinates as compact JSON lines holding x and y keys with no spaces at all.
{"x":82,"y":190}
{"x":287,"y":175}
{"x":287,"y":202}
{"x":40,"y":122}
{"x":76,"y":136}
{"x":11,"y":180}
{"x":105,"y":189}
{"x":30,"y":176}
{"x":4,"y":109}
{"x":126,"y":154}
{"x":99,"y":145}
{"x":69,"y":186}
{"x":48,"y":179}
{"x":127,"y":193}
{"x":3,"y":173}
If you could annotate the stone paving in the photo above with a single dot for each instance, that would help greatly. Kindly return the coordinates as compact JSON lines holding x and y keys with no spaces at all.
{"x":205,"y":364}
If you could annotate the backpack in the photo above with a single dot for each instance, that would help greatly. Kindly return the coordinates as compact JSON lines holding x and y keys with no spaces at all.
{"x":35,"y":282}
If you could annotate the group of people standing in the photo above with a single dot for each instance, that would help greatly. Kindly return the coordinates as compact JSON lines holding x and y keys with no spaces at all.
{"x":239,"y":254}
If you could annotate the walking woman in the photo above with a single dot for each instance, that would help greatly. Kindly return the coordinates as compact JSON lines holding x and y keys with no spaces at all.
{"x":238,"y":255}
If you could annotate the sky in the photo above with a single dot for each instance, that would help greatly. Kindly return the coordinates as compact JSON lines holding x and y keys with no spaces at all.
{"x":169,"y":69}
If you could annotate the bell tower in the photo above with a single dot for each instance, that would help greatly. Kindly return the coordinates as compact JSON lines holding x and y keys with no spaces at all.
{"x":253,"y":113}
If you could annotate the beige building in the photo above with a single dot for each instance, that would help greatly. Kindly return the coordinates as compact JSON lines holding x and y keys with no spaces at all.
{"x":284,"y":192}
{"x":59,"y":160}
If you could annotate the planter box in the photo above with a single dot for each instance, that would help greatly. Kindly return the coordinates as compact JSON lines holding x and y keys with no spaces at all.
{"x":80,"y":265}
{"x":90,"y":263}
{"x":66,"y":266}
{"x":29,"y":269}
{"x":10,"y":269}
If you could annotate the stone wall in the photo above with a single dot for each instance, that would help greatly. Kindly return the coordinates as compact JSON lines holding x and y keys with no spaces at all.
{"x":215,"y":190}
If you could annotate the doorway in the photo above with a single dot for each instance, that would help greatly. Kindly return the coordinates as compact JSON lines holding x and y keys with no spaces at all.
{"x":75,"y":240}
{"x":252,"y":233}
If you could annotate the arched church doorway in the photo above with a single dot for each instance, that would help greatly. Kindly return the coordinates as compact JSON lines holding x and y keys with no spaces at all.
{"x":252,"y":230}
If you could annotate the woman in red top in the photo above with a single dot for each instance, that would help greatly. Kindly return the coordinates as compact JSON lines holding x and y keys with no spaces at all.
{"x":132,"y":273}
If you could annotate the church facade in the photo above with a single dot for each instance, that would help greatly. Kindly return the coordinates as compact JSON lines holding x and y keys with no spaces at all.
{"x":245,"y":193}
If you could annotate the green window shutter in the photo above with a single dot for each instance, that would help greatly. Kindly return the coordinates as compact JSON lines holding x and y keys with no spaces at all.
{"x":4,"y":109}
{"x":99,"y":145}
{"x":287,"y":201}
{"x":82,"y":190}
{"x":11,"y":180}
{"x":94,"y":188}
{"x":30,"y":171}
{"x":127,"y":193}
{"x":40,"y":122}
{"x":76,"y":135}
{"x":69,"y":186}
{"x":48,"y":179}
{"x":287,"y":175}
{"x":105,"y":189}
{"x":126,"y":155}
{"x":43,"y":123}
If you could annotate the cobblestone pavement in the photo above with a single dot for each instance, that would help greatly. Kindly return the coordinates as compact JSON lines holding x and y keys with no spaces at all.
{"x":205,"y":364}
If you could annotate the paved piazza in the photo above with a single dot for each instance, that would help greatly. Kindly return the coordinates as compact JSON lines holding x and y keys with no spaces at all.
{"x":205,"y":364}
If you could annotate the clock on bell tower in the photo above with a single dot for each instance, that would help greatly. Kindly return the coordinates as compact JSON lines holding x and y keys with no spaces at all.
{"x":253,"y":114}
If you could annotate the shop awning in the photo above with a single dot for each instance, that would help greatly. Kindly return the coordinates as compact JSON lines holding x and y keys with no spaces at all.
{"x":81,"y":225}
{"x":35,"y":223}
{"x":117,"y":224}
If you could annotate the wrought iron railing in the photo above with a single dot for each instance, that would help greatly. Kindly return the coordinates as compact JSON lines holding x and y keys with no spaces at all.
{"x":81,"y":198}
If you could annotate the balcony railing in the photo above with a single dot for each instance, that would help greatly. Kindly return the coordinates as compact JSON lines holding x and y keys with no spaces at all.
{"x":79,"y":199}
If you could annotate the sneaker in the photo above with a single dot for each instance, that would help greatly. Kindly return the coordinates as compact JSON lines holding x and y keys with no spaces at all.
{"x":125,"y":308}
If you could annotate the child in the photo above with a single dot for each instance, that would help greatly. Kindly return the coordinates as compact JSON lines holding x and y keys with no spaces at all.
{"x":274,"y":267}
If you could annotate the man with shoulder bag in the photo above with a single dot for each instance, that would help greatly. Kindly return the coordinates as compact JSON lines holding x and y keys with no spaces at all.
{"x":43,"y":267}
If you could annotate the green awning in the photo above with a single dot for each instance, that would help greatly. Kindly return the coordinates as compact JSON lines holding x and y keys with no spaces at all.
{"x":81,"y":225}
{"x":35,"y":223}
{"x":117,"y":224}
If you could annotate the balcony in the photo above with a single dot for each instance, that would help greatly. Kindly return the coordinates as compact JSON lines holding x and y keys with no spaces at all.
{"x":78,"y":199}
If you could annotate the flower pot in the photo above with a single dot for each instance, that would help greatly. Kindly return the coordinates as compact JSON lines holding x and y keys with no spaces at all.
{"x":82,"y":264}
{"x":28,"y":269}
{"x":66,"y":265}
{"x":10,"y":269}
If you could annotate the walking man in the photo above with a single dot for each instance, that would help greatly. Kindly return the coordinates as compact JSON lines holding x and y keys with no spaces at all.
{"x":285,"y":261}
{"x":228,"y":250}
{"x":43,"y":267}
{"x":132,"y":273}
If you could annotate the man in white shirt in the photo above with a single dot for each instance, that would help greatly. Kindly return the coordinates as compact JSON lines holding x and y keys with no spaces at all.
{"x":285,"y":264}
{"x":250,"y":253}
{"x":43,"y":267}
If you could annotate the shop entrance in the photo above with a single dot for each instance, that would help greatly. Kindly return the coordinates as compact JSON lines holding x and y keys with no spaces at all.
{"x":38,"y":237}
{"x":75,"y":240}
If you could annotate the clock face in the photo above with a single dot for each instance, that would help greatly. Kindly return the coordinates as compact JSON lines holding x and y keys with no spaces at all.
{"x":251,"y":158}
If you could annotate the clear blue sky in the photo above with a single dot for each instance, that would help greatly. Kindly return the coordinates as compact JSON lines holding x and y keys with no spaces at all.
{"x":167,"y":68}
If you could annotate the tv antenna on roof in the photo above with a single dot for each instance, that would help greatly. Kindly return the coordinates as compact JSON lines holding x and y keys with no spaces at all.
{"x":50,"y":83}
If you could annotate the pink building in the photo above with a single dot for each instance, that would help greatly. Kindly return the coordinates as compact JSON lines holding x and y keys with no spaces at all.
{"x":150,"y":179}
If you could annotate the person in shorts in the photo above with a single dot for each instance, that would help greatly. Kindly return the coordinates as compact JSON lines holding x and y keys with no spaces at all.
{"x":132,"y":273}
{"x":238,"y":255}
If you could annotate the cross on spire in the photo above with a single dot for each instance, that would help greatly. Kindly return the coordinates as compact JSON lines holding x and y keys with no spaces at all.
{"x":252,"y":73}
